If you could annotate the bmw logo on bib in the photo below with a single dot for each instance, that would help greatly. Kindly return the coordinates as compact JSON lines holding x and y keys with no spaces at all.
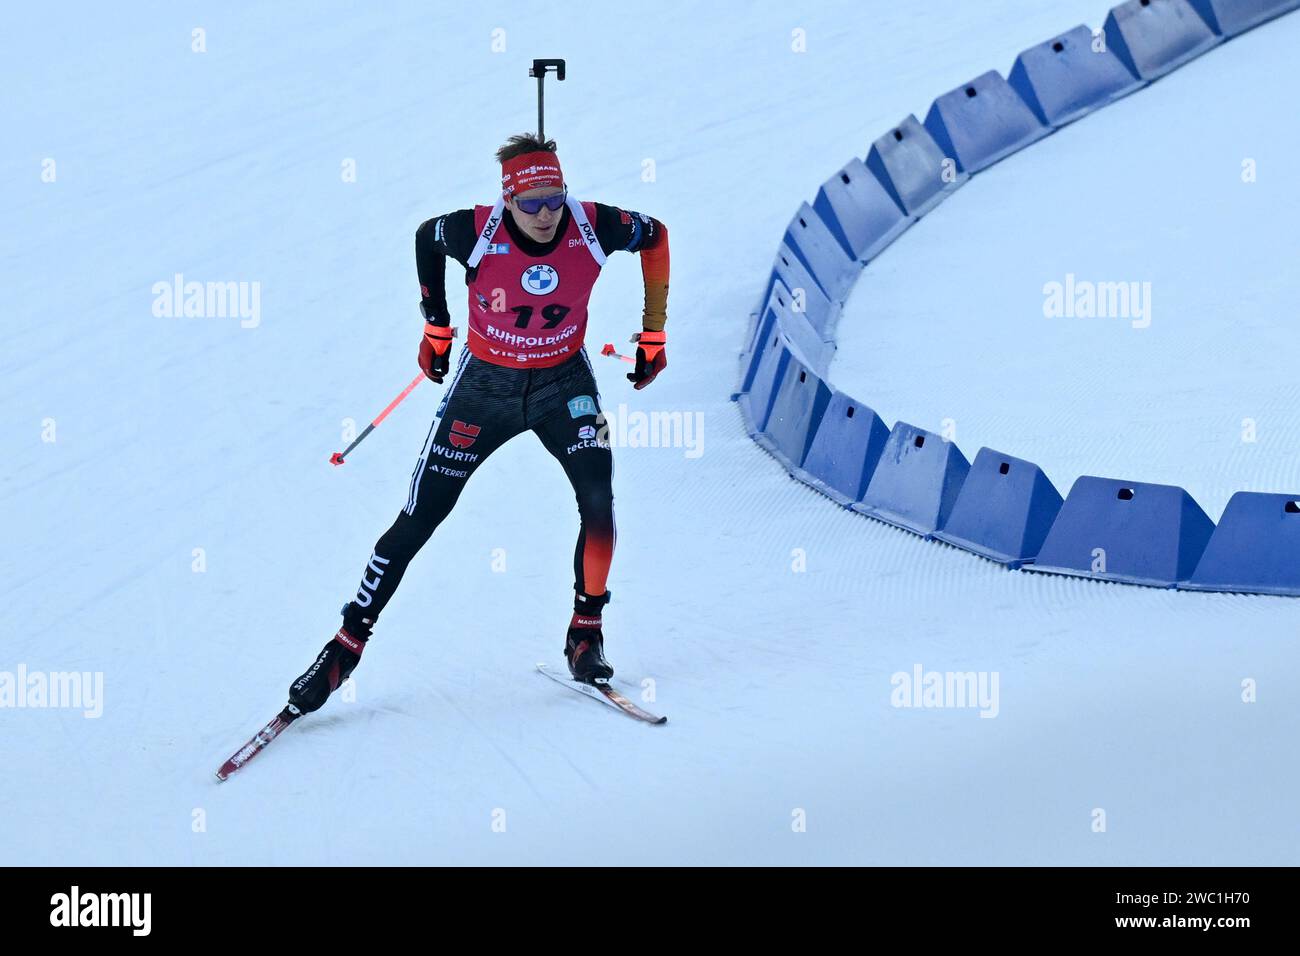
{"x":540,"y":279}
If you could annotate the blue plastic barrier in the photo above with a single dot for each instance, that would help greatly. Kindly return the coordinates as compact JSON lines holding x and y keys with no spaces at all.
{"x":845,"y":449}
{"x":760,"y":326}
{"x":813,"y":350}
{"x":982,"y":122}
{"x":1064,"y":79}
{"x":1002,"y":507}
{"x":766,"y":325}
{"x":1130,"y":531}
{"x":860,"y":213}
{"x":1255,"y":548}
{"x":820,"y":320}
{"x":833,"y":268}
{"x":790,"y":271}
{"x":1152,"y":37}
{"x":801,"y":400}
{"x":916,"y":481}
{"x":910,"y":165}
{"x":1004,"y":511}
{"x":768,"y":365}
{"x":799,"y":335}
{"x":1227,"y":18}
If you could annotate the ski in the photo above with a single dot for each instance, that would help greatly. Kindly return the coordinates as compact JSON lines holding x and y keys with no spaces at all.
{"x":602,"y":691}
{"x":259,"y":742}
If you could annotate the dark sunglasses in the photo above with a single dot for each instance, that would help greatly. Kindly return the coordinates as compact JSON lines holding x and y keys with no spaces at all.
{"x":533,"y":206}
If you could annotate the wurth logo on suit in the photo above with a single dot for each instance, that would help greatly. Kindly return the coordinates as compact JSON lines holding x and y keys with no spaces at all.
{"x":463,"y":435}
{"x":452,"y":454}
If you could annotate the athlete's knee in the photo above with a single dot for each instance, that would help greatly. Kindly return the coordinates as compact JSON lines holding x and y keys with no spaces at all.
{"x":595,"y":502}
{"x":407,"y":535}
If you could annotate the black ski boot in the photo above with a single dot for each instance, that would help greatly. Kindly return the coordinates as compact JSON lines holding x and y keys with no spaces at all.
{"x":335,"y":662}
{"x":584,"y":648}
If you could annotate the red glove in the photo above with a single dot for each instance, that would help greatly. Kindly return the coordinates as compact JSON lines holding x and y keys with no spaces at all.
{"x":650,"y":358}
{"x":435,"y":350}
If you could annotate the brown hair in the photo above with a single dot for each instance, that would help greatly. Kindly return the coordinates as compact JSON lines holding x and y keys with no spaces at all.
{"x":524,"y":143}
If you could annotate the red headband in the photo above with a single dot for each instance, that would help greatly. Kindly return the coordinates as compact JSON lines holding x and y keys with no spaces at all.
{"x":531,"y":171}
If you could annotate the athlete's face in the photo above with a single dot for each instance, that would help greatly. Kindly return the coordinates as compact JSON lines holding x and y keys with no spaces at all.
{"x":541,"y":225}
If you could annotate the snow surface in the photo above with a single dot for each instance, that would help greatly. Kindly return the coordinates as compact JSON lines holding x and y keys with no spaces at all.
{"x":177,"y":434}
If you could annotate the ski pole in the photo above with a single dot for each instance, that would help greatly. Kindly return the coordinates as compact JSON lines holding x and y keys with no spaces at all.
{"x":539,"y":70}
{"x":340,"y":456}
{"x":610,"y":350}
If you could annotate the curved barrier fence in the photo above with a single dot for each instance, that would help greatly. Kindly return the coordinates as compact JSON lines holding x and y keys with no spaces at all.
{"x":1002,"y":508}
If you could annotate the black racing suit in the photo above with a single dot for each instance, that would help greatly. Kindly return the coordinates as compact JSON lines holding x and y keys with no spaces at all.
{"x":485,"y":405}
